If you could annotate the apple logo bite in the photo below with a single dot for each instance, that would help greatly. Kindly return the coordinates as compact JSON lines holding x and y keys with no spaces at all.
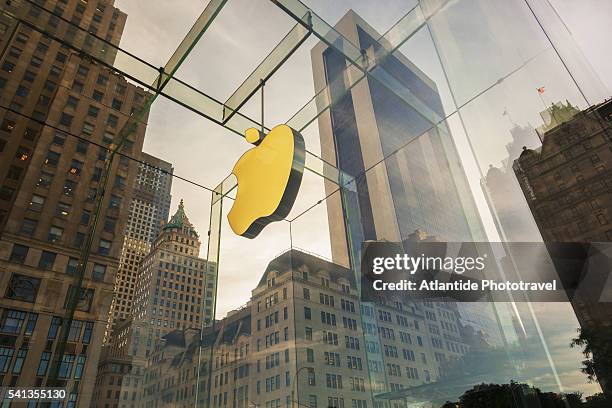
{"x":269,"y":177}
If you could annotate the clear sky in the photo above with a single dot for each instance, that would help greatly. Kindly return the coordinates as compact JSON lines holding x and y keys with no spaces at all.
{"x":246,"y":30}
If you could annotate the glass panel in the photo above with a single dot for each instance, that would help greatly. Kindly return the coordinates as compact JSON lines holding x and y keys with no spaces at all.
{"x":426,"y":122}
{"x":265,"y":69}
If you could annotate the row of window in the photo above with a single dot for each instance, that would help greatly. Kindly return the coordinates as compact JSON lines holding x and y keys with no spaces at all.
{"x":47,"y":261}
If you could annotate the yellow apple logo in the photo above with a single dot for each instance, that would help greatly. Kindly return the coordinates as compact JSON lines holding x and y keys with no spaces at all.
{"x":269,"y":177}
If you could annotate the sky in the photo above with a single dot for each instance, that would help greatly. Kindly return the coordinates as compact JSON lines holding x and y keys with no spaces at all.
{"x":246,"y":30}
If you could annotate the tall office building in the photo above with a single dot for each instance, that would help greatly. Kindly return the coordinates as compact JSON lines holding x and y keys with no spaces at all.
{"x":299,"y":342}
{"x":175,"y":287}
{"x":420,"y":187}
{"x":148,"y":212}
{"x":60,"y":112}
{"x":567,"y":185}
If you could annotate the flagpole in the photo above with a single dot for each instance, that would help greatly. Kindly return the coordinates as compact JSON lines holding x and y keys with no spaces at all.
{"x":540,"y":94}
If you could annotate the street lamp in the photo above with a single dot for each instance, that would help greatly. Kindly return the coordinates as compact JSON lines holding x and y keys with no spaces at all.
{"x":293,"y":385}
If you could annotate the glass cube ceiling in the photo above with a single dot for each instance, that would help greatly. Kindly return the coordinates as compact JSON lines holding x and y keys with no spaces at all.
{"x":211,"y":81}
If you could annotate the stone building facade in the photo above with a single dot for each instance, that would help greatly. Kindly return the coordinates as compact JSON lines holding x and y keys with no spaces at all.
{"x":566,"y":182}
{"x":300,"y":341}
{"x":148,"y":212}
{"x":60,"y":113}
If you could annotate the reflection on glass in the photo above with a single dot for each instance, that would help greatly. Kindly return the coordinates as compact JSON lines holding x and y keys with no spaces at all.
{"x":467,"y":120}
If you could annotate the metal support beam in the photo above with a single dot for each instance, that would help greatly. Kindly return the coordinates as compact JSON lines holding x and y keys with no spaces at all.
{"x":264,"y":71}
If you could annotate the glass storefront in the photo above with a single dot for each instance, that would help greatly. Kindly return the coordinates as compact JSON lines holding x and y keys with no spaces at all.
{"x":457,"y":122}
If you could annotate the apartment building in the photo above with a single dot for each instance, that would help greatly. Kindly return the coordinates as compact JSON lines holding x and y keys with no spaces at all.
{"x":300,"y":341}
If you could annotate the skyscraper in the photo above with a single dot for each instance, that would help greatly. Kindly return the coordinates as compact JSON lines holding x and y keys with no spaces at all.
{"x":421,"y":186}
{"x":174,"y":290}
{"x":148,"y":212}
{"x":175,"y":287}
{"x":387,"y":132}
{"x":60,"y":112}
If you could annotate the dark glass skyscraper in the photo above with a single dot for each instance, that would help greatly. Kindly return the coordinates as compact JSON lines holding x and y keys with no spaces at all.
{"x":393,"y":113}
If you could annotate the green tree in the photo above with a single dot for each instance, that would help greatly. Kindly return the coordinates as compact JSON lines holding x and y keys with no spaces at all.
{"x":597,"y":350}
{"x":597,"y":401}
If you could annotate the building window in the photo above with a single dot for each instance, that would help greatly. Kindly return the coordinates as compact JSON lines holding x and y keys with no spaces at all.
{"x":82,"y":70}
{"x":12,"y":321}
{"x":22,"y":287}
{"x":59,"y":139}
{"x":79,"y":239}
{"x":97,"y":174}
{"x":55,"y":234}
{"x":82,"y":146}
{"x":19,"y":253}
{"x":307,"y":313}
{"x":93,"y":111}
{"x":75,"y":167}
{"x":87,"y":332}
{"x":72,"y":266}
{"x":56,"y":322}
{"x":80,"y":365}
{"x":37,"y":203}
{"x":21,"y":355}
{"x":69,"y":187}
{"x":72,"y":102}
{"x":65,"y":370}
{"x":120,"y":182}
{"x":98,"y":272}
{"x":44,"y":180}
{"x":32,"y":318}
{"x":97,"y":95}
{"x":116,"y":104}
{"x":309,"y":355}
{"x":63,"y":209}
{"x":45,"y":358}
{"x":74,"y":334}
{"x":109,"y":225}
{"x":85,"y":217}
{"x":8,"y":67}
{"x":112,"y":121}
{"x":66,"y":119}
{"x":102,"y":80}
{"x":115,"y":202}
{"x":47,"y":259}
{"x":77,"y":86}
{"x":6,"y":193}
{"x":28,"y":227}
{"x":108,"y":138}
{"x":308,"y":333}
{"x":6,"y":354}
{"x":52,"y":158}
{"x":23,"y":153}
{"x":311,"y":376}
{"x":104,"y":247}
